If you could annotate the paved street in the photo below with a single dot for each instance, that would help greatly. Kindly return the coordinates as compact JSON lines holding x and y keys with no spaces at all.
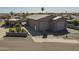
{"x":22,"y":44}
{"x":27,"y":44}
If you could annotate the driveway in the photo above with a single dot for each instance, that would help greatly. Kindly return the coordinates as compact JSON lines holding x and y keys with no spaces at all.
{"x":2,"y":32}
{"x":72,"y":30}
{"x":72,"y":37}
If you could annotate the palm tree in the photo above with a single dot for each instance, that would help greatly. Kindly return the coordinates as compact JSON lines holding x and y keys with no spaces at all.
{"x":42,"y":9}
{"x":23,"y":15}
{"x":11,"y":14}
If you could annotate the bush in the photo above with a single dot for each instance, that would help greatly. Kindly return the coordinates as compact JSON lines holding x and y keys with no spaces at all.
{"x":76,"y":22}
{"x":23,"y":30}
{"x":18,"y":29}
{"x":12,"y":29}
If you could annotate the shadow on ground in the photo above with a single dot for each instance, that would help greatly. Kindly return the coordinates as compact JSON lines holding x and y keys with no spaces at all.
{"x":5,"y":26}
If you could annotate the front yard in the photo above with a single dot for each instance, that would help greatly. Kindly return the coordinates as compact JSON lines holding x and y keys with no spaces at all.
{"x":15,"y":30}
{"x":71,"y":37}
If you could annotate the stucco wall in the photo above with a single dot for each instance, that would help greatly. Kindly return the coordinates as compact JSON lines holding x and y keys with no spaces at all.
{"x":47,"y":24}
{"x":58,"y":25}
{"x":31,"y":22}
{"x":44,"y":25}
{"x":53,"y":25}
{"x":40,"y":24}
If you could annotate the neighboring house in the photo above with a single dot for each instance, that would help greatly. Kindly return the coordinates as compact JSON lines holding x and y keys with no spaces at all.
{"x":15,"y":16}
{"x":46,"y":22}
{"x":11,"y":21}
{"x":74,"y":17}
{"x":16,"y":19}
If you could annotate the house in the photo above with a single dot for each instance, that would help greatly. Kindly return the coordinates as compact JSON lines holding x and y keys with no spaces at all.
{"x":39,"y":22}
{"x":58,"y":23}
{"x":12,"y":20}
{"x":46,"y":22}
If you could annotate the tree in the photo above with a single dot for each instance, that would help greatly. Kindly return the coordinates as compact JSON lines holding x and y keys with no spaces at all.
{"x":11,"y":13}
{"x":23,"y":15}
{"x":42,"y":9}
{"x":18,"y":27}
{"x":76,"y":22}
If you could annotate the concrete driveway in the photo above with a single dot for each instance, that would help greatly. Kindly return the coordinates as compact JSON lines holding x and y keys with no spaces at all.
{"x":2,"y":32}
{"x":72,"y":37}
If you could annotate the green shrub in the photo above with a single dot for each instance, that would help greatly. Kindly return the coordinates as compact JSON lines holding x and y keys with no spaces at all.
{"x":12,"y":29}
{"x":23,"y":30}
{"x":76,"y":22}
{"x":18,"y":29}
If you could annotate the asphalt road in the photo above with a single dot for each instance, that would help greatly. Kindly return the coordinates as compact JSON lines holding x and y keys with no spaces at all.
{"x":27,"y":44}
{"x":22,"y":44}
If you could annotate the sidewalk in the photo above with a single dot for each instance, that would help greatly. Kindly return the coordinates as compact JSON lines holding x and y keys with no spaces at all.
{"x":2,"y":33}
{"x":59,"y":40}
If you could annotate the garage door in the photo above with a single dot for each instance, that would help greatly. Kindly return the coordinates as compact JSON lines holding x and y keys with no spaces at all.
{"x":44,"y":26}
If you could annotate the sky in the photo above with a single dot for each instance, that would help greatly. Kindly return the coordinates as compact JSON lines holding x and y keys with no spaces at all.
{"x":38,"y":9}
